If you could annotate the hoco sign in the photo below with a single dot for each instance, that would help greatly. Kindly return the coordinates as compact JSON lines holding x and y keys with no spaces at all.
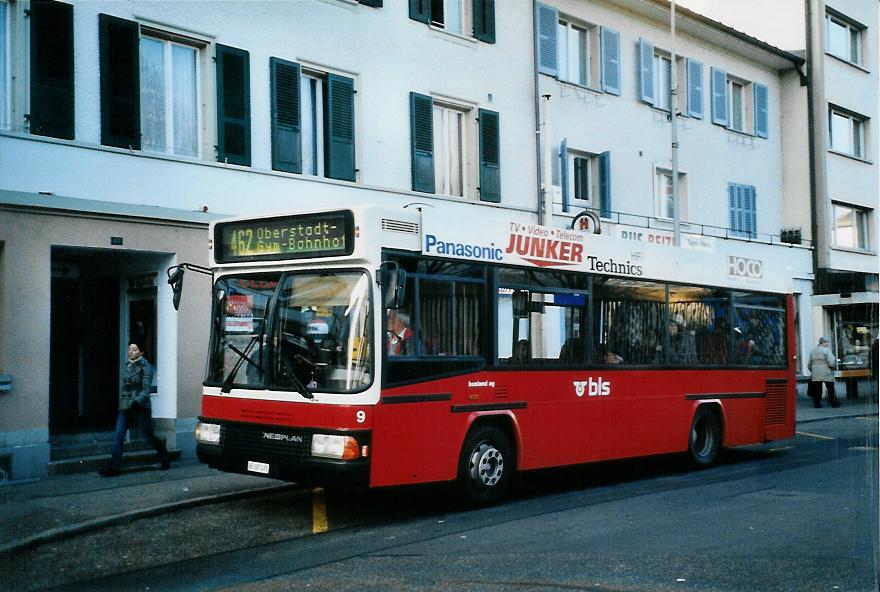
{"x":743,"y":267}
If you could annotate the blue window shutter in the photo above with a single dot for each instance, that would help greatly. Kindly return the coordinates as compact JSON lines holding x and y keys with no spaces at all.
{"x":484,"y":20}
{"x":547,"y":19}
{"x":420,"y":10}
{"x":761,"y":117}
{"x":610,"y":50}
{"x":646,"y":71}
{"x":233,"y":106}
{"x":731,"y":205}
{"x":421,"y":122}
{"x":490,"y":158}
{"x":605,"y":185}
{"x":563,"y":174}
{"x":751,"y":211}
{"x":695,"y":88}
{"x":339,"y":128}
{"x":719,"y":96}
{"x":51,"y":90}
{"x":286,"y":118}
{"x":119,"y":50}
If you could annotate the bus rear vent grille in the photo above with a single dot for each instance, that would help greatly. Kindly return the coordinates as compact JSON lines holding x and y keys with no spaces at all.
{"x":774,"y":404}
{"x":400,"y":226}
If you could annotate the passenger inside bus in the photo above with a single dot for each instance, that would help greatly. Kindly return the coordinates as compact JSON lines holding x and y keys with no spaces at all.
{"x":522,"y":353}
{"x":572,"y":351}
{"x":399,"y":341}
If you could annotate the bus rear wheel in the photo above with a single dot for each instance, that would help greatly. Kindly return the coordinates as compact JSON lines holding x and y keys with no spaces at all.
{"x":486,"y":466}
{"x":704,"y":443}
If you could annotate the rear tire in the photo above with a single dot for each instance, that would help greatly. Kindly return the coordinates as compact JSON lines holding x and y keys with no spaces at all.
{"x":485,"y":467}
{"x":704,"y":441}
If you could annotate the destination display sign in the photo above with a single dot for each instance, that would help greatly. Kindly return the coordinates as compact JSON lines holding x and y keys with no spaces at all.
{"x":327,"y":234}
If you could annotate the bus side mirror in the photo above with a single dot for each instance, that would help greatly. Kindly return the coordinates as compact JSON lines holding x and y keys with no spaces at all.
{"x":393,"y":282}
{"x":175,"y":278}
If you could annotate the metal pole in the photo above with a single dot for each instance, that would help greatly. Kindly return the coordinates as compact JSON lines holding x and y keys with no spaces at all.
{"x":547,"y":205}
{"x":673,"y":118}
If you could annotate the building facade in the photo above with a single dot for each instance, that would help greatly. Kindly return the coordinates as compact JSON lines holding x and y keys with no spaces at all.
{"x":126,"y":127}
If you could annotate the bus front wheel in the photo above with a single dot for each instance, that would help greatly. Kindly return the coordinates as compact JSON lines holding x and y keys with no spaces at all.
{"x":704,"y":443}
{"x":486,"y":466}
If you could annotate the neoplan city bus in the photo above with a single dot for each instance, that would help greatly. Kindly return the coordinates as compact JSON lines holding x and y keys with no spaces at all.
{"x":526,"y":347}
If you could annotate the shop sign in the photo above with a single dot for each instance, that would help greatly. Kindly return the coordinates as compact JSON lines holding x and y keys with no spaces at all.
{"x":743,"y":267}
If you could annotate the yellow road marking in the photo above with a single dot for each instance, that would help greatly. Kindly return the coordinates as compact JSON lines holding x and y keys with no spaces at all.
{"x":814,"y":435}
{"x":319,"y":511}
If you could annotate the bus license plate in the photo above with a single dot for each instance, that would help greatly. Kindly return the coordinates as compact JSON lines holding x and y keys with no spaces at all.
{"x":258,"y":467}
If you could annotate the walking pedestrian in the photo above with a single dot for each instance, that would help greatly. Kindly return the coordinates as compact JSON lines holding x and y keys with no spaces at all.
{"x":135,"y":410}
{"x":821,"y":365}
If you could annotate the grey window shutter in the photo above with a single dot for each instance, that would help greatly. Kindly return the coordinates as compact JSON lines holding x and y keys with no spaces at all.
{"x":719,"y":96}
{"x":484,"y":20}
{"x":51,"y":85}
{"x":731,"y":206}
{"x":547,"y":19}
{"x":490,"y":161}
{"x":610,"y":50}
{"x":563,"y":174}
{"x":339,"y":128}
{"x":119,"y":49}
{"x":761,"y":115}
{"x":421,"y":123}
{"x":694,"y":88}
{"x":420,"y":10}
{"x":605,"y":185}
{"x":286,"y":116}
{"x":646,"y":71}
{"x":233,"y":106}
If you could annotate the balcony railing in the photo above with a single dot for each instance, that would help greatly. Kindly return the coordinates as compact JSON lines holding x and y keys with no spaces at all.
{"x":787,"y":237}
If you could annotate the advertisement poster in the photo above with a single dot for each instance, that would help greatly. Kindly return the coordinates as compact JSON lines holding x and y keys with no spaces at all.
{"x":239,"y":314}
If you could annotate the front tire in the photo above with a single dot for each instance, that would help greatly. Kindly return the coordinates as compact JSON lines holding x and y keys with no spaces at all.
{"x":704,"y":442}
{"x":486,"y":466}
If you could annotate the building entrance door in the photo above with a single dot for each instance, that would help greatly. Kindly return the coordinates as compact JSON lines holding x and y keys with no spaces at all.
{"x":84,"y":349}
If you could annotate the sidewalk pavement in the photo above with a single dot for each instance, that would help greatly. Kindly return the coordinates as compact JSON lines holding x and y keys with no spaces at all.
{"x":67,"y":505}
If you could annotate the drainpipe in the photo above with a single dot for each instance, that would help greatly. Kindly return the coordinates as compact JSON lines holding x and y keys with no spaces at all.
{"x":817,"y":113}
{"x":547,"y":195}
{"x":673,"y":118}
{"x":539,"y":188}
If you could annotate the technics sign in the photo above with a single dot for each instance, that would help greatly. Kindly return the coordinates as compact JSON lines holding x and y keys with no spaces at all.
{"x":328,"y":234}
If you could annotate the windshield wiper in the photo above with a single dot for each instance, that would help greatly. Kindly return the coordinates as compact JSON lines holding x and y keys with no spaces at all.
{"x":244,"y":357}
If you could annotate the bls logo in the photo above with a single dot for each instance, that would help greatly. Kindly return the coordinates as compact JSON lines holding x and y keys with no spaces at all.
{"x":599,"y":387}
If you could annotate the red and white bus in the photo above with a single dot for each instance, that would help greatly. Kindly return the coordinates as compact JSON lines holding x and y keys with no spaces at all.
{"x":378,"y":347}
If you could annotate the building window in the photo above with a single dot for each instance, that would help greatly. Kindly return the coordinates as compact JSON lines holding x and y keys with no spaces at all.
{"x":459,"y":17}
{"x":739,"y":105}
{"x":743,"y":210}
{"x":663,"y":198}
{"x":450,"y":150}
{"x":843,"y":39}
{"x":169,"y":97}
{"x":850,"y":226}
{"x":662,"y":81}
{"x":449,"y":15}
{"x":847,"y":133}
{"x":312,"y":101}
{"x":576,"y":51}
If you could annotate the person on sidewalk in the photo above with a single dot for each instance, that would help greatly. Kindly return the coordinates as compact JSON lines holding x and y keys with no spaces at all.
{"x":135,"y":410}
{"x":821,"y":365}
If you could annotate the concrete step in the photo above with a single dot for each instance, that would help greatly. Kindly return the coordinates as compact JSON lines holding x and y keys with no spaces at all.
{"x":131,"y":459}
{"x":74,"y":446}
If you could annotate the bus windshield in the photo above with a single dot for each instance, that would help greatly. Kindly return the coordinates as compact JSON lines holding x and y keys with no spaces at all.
{"x":299,"y":331}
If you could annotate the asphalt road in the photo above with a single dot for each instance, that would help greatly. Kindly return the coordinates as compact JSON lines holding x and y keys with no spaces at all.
{"x":798,"y":516}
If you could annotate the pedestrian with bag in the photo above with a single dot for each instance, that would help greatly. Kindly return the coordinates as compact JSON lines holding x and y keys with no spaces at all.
{"x":135,"y":411}
{"x":821,"y":365}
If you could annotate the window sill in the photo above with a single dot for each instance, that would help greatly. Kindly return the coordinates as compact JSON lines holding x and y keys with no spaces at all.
{"x":850,"y":156}
{"x":855,"y":250}
{"x":456,"y":38}
{"x":848,"y":63}
{"x":577,"y":86}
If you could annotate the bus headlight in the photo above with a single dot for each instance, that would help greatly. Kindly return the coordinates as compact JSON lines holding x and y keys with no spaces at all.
{"x":338,"y":447}
{"x":207,"y":433}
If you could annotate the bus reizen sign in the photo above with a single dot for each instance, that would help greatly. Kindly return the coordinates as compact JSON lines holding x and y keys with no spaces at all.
{"x":533,"y":245}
